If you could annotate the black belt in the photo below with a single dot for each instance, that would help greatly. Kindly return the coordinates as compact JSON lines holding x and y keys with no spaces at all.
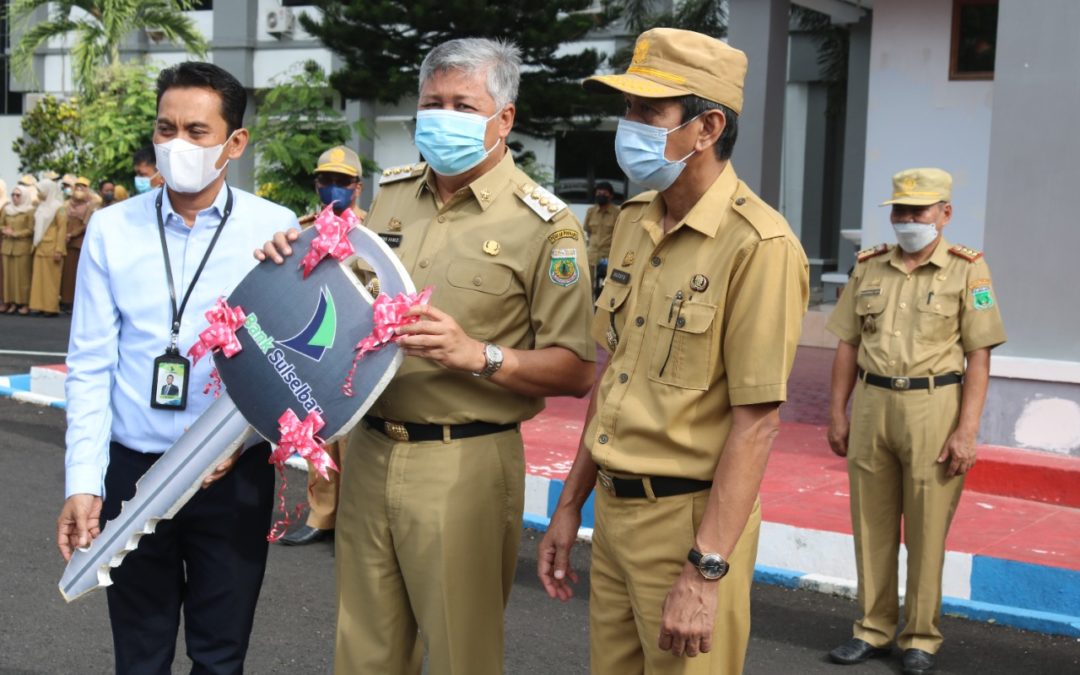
{"x":905,"y":383}
{"x":662,"y":486}
{"x":408,"y":431}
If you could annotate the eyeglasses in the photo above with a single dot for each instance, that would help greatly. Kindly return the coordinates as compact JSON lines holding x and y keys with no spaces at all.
{"x":340,"y":180}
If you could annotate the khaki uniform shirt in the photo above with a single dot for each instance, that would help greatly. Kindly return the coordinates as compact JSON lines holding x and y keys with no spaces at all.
{"x":54,"y":240}
{"x":919,"y":323}
{"x":505,"y":273}
{"x":22,"y":242}
{"x":599,"y":225}
{"x":705,"y":317}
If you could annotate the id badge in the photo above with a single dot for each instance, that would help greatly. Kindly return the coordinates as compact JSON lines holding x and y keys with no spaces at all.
{"x":170,"y":388}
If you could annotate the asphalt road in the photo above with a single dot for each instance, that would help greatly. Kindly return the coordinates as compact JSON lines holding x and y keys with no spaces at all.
{"x":294,"y":627}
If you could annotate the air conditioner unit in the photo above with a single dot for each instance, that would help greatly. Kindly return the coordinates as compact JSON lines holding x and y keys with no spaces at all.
{"x":280,"y":22}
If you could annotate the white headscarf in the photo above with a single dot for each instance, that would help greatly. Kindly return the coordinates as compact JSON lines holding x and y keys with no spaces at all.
{"x":4,"y":201}
{"x":52,"y":198}
{"x":25,"y":202}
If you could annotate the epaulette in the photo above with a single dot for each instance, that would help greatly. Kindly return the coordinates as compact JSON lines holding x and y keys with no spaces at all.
{"x":541,"y":201}
{"x":768,"y":223}
{"x":402,"y":172}
{"x":866,"y":254}
{"x":643,"y":198}
{"x":968,"y":254}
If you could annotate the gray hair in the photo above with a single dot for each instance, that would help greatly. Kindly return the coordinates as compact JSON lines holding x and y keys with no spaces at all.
{"x":500,"y":58}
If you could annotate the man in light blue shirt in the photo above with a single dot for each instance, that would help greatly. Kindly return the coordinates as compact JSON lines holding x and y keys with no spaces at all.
{"x":210,"y":559}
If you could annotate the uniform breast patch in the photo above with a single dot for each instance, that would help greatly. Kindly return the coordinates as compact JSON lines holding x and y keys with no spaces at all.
{"x":869,"y":291}
{"x":562,"y":234}
{"x":564,"y":266}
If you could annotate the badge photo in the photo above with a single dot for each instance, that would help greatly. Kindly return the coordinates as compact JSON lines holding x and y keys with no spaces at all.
{"x":170,"y":382}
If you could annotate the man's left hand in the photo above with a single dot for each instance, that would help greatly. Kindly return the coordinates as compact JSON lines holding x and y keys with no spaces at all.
{"x":959,"y":451}
{"x":58,"y":257}
{"x":222,"y":469}
{"x":686,"y":625}
{"x":439,"y":338}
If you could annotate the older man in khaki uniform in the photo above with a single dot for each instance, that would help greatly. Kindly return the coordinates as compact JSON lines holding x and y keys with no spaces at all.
{"x":908,"y":319}
{"x":429,"y":517}
{"x":702,"y":312}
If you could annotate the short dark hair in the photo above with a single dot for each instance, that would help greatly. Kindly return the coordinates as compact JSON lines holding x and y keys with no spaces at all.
{"x":145,"y":155}
{"x":207,"y":75}
{"x":604,"y":185}
{"x":695,"y":105}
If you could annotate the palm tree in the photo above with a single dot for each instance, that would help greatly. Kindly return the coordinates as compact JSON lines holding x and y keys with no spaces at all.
{"x":99,"y":29}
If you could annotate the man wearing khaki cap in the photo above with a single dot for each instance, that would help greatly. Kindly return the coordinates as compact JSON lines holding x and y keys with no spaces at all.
{"x":702,"y":310}
{"x":337,"y":181}
{"x":908,"y":319}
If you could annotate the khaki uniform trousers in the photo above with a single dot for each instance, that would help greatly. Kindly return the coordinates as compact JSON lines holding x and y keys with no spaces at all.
{"x":896,"y":437}
{"x":427,"y":540}
{"x":322,"y":493}
{"x":18,"y":270}
{"x":45,"y":284}
{"x":639,"y":548}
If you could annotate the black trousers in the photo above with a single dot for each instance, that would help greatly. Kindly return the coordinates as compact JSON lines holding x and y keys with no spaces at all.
{"x":208,"y":561}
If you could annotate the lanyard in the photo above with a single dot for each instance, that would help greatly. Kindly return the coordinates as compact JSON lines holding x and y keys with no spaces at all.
{"x":178,"y":313}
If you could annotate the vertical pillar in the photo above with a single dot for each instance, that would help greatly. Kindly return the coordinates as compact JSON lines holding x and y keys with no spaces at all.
{"x":233,"y":48}
{"x":856,"y":110}
{"x":760,"y":28}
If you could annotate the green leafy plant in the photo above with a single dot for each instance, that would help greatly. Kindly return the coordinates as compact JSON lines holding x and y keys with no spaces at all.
{"x":52,"y":137}
{"x":118,"y":121}
{"x":296,"y":122}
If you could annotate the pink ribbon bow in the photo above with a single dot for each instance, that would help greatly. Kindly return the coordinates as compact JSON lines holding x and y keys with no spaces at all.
{"x":299,"y":437}
{"x":333,"y":239}
{"x":389,"y":315}
{"x":224,"y":322}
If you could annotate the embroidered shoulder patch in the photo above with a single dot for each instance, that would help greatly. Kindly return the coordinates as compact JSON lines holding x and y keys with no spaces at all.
{"x":981,"y":297}
{"x":564,"y":266}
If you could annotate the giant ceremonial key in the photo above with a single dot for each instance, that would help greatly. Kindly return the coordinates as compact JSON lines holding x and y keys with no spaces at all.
{"x":298,"y":342}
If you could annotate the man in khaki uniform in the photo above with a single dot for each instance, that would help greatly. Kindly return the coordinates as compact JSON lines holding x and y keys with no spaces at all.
{"x":429,"y":517}
{"x":907,"y":320}
{"x":702,"y":312}
{"x":599,"y":224}
{"x":338,"y":180}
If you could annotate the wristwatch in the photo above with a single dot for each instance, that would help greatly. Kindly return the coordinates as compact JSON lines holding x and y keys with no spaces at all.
{"x":493,"y":356}
{"x":711,"y":565}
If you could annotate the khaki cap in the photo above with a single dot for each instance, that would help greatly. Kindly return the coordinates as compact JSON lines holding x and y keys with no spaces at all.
{"x":83,"y":181}
{"x":339,"y":159}
{"x":28,"y":180}
{"x":920,"y":187}
{"x":669,"y":62}
{"x":49,"y":174}
{"x":69,"y":178}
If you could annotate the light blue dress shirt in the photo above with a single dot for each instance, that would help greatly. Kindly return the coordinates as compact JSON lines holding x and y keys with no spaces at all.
{"x":122,"y":319}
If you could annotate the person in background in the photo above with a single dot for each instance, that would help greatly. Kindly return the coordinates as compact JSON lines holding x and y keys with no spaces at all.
{"x":146,"y":173}
{"x":337,"y":181}
{"x":49,"y":174}
{"x":4,"y":201}
{"x":107,"y":192}
{"x":120,"y":193}
{"x":599,"y":225}
{"x":67,"y":185}
{"x":79,"y":209}
{"x":50,"y":247}
{"x":17,"y":249}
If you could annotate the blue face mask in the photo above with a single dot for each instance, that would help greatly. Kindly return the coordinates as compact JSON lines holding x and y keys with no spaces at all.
{"x":452,"y":142}
{"x":340,"y":197}
{"x":142,"y":184}
{"x":639,"y":149}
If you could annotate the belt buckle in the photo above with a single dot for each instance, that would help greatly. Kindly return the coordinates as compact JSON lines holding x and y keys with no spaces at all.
{"x":395,"y":430}
{"x":901,"y":383}
{"x":605,"y":481}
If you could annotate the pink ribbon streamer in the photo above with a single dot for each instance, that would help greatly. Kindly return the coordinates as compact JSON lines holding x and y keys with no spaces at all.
{"x":333,"y":239}
{"x":224,"y":322}
{"x":297,"y":437}
{"x":214,"y":383}
{"x":389,"y":315}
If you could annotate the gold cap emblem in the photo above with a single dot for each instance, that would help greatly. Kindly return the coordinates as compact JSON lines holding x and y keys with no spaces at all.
{"x":641,"y":51}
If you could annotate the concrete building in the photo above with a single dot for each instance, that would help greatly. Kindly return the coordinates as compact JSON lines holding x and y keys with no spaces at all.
{"x":911,"y":100}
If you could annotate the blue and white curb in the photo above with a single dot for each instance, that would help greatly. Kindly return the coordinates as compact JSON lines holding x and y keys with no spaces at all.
{"x":17,"y":387}
{"x":1022,"y":595}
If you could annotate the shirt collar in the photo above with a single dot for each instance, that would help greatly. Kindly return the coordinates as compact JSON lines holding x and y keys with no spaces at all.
{"x":217,"y":208}
{"x":485,"y":188}
{"x":709,"y":211}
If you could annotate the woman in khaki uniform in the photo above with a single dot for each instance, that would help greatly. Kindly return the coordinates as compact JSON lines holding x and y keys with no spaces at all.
{"x":4,"y":201}
{"x":50,"y":247}
{"x":17,"y":226}
{"x":79,"y":209}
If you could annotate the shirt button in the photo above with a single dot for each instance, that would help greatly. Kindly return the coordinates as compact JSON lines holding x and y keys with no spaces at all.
{"x":903,"y":305}
{"x":477,"y":280}
{"x":909,"y":277}
{"x":896,"y":333}
{"x":655,"y":261}
{"x":623,"y":377}
{"x":680,"y":322}
{"x":892,"y":362}
{"x":740,"y":201}
{"x":603,"y":438}
{"x":942,"y":277}
{"x":937,"y":305}
{"x":442,"y":219}
{"x":424,"y":262}
{"x":640,"y":321}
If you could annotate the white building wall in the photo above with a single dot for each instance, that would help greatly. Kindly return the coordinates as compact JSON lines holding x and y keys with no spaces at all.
{"x":918,"y":117}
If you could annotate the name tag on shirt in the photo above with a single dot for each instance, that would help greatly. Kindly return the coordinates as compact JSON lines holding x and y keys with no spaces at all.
{"x":619,"y":276}
{"x":392,"y":240}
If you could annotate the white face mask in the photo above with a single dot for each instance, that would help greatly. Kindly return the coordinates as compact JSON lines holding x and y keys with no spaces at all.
{"x":914,"y":237}
{"x":187,"y":167}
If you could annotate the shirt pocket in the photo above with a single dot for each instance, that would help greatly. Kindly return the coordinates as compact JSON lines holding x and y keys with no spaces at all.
{"x":938,"y":320}
{"x":683,"y":354}
{"x":607,"y":327}
{"x":475,"y":296}
{"x":869,"y":310}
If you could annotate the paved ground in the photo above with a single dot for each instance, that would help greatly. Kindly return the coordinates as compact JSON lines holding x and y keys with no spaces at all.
{"x":295,"y":622}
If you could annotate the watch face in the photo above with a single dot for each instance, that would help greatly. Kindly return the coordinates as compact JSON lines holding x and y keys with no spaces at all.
{"x":713,"y":566}
{"x":493,"y":353}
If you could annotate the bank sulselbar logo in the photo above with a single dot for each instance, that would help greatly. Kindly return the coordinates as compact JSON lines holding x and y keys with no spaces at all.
{"x":318,"y":335}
